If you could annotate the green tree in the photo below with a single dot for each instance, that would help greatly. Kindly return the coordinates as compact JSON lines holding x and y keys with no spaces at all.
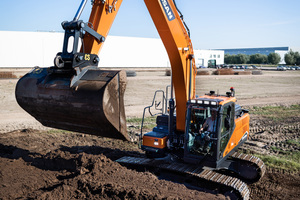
{"x":274,"y":58}
{"x":252,"y":59}
{"x":258,"y":58}
{"x":289,"y":58}
{"x":298,"y":61}
{"x":228,"y":59}
{"x":241,"y":59}
{"x":297,"y":58}
{"x":264,"y":59}
{"x":292,"y":58}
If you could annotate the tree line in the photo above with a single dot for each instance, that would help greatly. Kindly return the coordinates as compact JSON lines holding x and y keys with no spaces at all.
{"x":291,"y":58}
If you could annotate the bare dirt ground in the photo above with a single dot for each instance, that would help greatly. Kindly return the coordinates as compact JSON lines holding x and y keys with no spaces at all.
{"x":41,"y":163}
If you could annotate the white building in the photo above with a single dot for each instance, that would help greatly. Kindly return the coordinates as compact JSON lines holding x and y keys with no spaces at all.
{"x":204,"y":57}
{"x":29,"y":49}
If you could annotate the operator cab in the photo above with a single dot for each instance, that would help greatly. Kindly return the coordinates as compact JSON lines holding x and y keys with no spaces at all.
{"x":211,"y":122}
{"x":209,"y":125}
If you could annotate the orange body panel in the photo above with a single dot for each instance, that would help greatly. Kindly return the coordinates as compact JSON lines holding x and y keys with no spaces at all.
{"x":155,"y":142}
{"x":179,"y":47}
{"x":241,"y":127}
{"x":101,"y":19}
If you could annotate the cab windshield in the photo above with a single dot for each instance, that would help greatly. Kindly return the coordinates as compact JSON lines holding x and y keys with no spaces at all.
{"x":202,"y":126}
{"x":202,"y":118}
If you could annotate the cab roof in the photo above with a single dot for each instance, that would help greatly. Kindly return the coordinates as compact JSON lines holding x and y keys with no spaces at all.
{"x":218,"y":98}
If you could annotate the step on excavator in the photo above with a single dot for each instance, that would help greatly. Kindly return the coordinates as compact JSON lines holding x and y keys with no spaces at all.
{"x":196,"y":137}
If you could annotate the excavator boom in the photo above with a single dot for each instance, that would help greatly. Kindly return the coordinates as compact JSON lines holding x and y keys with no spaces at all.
{"x":179,"y":47}
{"x":75,"y":95}
{"x":102,"y":18}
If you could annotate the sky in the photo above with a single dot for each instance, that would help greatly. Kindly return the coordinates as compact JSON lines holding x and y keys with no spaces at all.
{"x":214,"y":24}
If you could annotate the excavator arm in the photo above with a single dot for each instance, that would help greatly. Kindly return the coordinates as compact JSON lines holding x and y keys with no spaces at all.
{"x":174,"y":35}
{"x":75,"y":95}
{"x":101,"y":19}
{"x":180,"y":51}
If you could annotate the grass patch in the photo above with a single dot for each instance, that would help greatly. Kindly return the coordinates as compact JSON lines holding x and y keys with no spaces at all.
{"x":275,"y":148}
{"x":149,"y":122}
{"x":277,"y":113}
{"x":137,"y":120}
{"x":294,"y":142}
{"x":285,"y":159}
{"x":57,"y":131}
{"x":288,"y":162}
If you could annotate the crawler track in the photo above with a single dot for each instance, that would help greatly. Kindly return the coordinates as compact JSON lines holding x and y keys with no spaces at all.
{"x":224,"y":183}
{"x":254,"y":162}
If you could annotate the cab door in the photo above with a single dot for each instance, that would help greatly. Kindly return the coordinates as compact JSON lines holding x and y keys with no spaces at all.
{"x":227,"y":126}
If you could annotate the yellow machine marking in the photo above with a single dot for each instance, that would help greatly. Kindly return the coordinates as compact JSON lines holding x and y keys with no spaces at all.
{"x":87,"y":57}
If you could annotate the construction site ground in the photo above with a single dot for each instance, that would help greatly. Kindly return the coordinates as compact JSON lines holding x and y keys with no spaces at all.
{"x":37,"y":162}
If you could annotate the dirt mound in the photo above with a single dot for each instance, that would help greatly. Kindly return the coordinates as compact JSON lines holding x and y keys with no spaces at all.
{"x":7,"y":75}
{"x":63,"y":165}
{"x":224,"y":72}
{"x":97,"y":177}
{"x":242,"y":73}
{"x":202,"y":72}
{"x":276,"y":185}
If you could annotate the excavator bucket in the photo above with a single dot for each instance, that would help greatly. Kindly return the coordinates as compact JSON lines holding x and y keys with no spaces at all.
{"x":94,"y":106}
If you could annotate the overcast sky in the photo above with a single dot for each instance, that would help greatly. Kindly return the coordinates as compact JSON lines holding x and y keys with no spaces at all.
{"x":213,"y":23}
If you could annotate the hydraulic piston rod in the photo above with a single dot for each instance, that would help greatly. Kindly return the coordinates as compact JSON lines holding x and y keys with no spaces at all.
{"x":80,"y":9}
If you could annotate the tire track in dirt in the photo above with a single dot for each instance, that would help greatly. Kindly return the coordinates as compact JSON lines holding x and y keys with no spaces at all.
{"x":262,"y":138}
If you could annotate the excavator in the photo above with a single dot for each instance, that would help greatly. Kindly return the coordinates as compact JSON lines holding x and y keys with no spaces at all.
{"x":197,"y":136}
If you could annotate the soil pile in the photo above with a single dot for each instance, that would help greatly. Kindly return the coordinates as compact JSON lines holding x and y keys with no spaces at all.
{"x":63,"y":165}
{"x":35,"y":165}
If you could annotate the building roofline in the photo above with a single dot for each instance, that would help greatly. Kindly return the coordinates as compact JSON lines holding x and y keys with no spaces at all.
{"x":257,"y":48}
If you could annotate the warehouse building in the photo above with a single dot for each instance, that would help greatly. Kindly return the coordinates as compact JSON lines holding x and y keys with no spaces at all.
{"x":29,"y":49}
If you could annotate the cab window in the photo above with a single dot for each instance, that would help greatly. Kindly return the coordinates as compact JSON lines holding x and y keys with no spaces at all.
{"x":202,"y":125}
{"x":227,"y":122}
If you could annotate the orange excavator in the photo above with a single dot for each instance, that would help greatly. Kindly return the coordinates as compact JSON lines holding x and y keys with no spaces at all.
{"x":196,"y":136}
